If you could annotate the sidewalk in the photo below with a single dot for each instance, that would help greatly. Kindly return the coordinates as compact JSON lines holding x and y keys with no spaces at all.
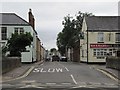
{"x":17,"y":72}
{"x":112,"y":73}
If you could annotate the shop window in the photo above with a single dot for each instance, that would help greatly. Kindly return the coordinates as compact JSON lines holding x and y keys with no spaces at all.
{"x":101,"y":53}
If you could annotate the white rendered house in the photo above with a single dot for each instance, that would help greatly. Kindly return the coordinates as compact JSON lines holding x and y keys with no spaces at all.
{"x":12,"y":23}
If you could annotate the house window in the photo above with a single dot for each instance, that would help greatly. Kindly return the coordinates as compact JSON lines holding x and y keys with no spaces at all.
{"x":4,"y":33}
{"x":82,"y":53}
{"x":21,"y":30}
{"x":117,"y":37}
{"x":109,"y":37}
{"x":16,"y":30}
{"x":100,"y":36}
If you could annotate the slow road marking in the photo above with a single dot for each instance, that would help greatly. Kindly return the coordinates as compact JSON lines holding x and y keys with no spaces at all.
{"x":49,"y":70}
{"x":73,"y":79}
{"x":66,"y":69}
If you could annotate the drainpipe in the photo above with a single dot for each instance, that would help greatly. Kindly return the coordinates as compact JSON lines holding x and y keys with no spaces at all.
{"x":87,"y":45}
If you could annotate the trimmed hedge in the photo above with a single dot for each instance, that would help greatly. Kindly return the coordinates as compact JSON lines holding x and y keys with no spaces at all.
{"x":113,"y":62}
{"x":9,"y":63}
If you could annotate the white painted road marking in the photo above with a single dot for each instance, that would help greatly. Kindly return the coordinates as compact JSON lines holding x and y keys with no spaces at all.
{"x":59,"y":69}
{"x":25,"y":75}
{"x":73,"y":79}
{"x":50,"y":70}
{"x":110,"y":76}
{"x":66,"y":69}
{"x":42,"y":70}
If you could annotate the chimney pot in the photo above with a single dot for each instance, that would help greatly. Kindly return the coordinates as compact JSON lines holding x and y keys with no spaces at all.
{"x":30,"y":10}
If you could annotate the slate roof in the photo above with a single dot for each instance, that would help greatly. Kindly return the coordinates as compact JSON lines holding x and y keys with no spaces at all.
{"x":11,"y":19}
{"x":102,"y":23}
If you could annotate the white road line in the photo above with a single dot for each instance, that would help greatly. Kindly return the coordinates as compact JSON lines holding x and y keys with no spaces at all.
{"x":79,"y":86}
{"x":66,"y":69}
{"x":25,"y":75}
{"x":73,"y":79}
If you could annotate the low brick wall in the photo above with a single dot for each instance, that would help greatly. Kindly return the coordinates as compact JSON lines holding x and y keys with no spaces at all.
{"x":9,"y":63}
{"x":113,"y":62}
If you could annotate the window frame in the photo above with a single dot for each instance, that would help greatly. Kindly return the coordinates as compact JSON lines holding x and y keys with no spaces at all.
{"x":100,"y":37}
{"x":117,"y":37}
{"x":4,"y":33}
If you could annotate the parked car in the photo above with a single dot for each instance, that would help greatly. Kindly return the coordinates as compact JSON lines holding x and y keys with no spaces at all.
{"x":47,"y":59}
{"x":55,"y":58}
{"x":63,"y":59}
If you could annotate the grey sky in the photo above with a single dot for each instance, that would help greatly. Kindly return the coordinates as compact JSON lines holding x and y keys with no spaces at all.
{"x":49,"y":15}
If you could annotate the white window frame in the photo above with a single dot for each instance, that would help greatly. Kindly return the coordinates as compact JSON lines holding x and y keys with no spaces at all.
{"x":100,"y":37}
{"x":4,"y":35}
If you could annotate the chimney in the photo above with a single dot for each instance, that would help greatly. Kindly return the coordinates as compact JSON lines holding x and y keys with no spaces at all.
{"x":31,"y":19}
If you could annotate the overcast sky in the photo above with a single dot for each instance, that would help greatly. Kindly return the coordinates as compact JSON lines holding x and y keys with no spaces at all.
{"x":49,"y":15}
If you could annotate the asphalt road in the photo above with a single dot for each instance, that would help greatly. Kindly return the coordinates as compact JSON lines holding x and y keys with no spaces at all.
{"x":63,"y":76}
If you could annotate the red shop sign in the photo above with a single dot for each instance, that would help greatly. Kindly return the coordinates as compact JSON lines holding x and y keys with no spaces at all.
{"x":99,"y":46}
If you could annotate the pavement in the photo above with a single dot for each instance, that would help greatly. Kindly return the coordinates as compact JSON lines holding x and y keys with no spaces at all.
{"x":115,"y":74}
{"x":18,"y":72}
{"x":112,"y":73}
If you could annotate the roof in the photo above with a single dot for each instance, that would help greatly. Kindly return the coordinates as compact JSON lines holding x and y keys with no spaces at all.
{"x":12,"y":19}
{"x":102,"y":23}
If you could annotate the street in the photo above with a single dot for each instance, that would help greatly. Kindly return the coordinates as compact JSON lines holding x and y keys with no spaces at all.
{"x":66,"y":75}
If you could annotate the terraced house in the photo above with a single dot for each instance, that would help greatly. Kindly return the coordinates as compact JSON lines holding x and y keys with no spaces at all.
{"x":12,"y":23}
{"x":101,"y":37}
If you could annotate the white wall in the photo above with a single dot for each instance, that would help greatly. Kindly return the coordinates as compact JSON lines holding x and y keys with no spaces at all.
{"x":10,"y":30}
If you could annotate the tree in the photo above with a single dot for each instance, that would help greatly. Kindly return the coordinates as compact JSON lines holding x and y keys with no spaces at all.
{"x":53,"y":49}
{"x":17,"y":43}
{"x":71,"y":31}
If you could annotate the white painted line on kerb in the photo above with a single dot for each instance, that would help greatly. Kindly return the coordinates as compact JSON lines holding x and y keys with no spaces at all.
{"x":66,"y":68}
{"x":73,"y":79}
{"x":110,"y":76}
{"x":25,"y":75}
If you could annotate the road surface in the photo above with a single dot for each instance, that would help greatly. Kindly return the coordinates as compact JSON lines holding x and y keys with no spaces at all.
{"x":62,"y":76}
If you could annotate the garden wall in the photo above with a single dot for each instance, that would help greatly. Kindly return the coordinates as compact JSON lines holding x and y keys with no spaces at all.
{"x":9,"y":63}
{"x":113,"y":62}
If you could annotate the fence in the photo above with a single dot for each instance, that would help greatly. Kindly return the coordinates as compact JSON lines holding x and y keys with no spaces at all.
{"x":9,"y":63}
{"x":113,"y":62}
